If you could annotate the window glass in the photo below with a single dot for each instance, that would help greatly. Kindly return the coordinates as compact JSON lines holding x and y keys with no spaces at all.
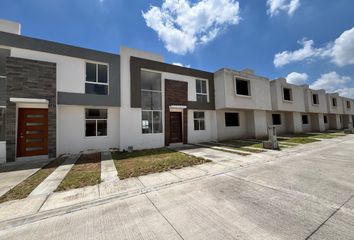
{"x":90,"y":128}
{"x":242,"y":87}
{"x":90,"y":72}
{"x":157,"y":122}
{"x":287,"y":94}
{"x":150,"y":81}
{"x":98,"y":89}
{"x":276,"y":119}
{"x":199,"y":121}
{"x":147,"y":121}
{"x":305,"y":119}
{"x":96,"y":122}
{"x":201,"y":90}
{"x":2,"y":124}
{"x":102,"y":73}
{"x":232,"y":120}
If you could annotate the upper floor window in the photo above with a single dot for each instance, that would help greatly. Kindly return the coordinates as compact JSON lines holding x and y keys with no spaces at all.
{"x":334,"y":102}
{"x":2,"y":124}
{"x":151,"y":102}
{"x":96,"y":122}
{"x":276,"y":119}
{"x":96,"y":79}
{"x":348,"y":104}
{"x":315,"y":99}
{"x":199,"y":121}
{"x":201,"y":90}
{"x":232,"y":119}
{"x":243,"y":87}
{"x":287,"y":94}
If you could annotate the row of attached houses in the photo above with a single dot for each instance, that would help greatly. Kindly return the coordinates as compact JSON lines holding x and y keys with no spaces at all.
{"x":57,"y":98}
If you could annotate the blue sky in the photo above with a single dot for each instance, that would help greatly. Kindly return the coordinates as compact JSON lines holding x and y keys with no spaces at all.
{"x":312,"y":40}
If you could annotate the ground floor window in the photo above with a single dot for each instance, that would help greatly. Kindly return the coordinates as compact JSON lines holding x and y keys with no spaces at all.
{"x":276,"y":119}
{"x":151,"y":121}
{"x":96,"y":122}
{"x":2,"y":124}
{"x":232,"y":119}
{"x":199,"y":121}
{"x":305,"y":119}
{"x":325,"y":119}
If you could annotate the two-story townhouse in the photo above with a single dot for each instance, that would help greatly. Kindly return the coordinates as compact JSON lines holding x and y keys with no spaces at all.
{"x":242,"y":100}
{"x":335,"y":110}
{"x":288,"y":107}
{"x":348,"y":110}
{"x":317,"y":109}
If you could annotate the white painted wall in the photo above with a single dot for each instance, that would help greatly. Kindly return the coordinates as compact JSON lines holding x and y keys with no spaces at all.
{"x":307,"y":127}
{"x":2,"y":152}
{"x":283,"y":127}
{"x":339,"y":108}
{"x":224,"y":132}
{"x":315,"y":108}
{"x":226,"y":97}
{"x":350,"y":110}
{"x":209,"y":134}
{"x":10,"y":27}
{"x":71,"y":72}
{"x":130,"y":118}
{"x":279,"y":104}
{"x":71,"y":130}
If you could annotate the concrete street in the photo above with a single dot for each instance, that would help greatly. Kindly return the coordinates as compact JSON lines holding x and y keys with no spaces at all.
{"x":307,"y":194}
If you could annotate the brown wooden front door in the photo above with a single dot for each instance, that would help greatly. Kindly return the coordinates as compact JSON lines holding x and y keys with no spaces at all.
{"x":175,"y":127}
{"x":32,"y":133}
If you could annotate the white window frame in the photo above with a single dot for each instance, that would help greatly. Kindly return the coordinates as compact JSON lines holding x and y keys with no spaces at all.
{"x":249,"y":87}
{"x":199,"y":120}
{"x":106,"y":119}
{"x":206,"y":89}
{"x":152,"y":111}
{"x":96,"y":82}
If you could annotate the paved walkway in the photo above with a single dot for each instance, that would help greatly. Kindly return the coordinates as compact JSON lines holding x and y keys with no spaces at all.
{"x":11,"y":174}
{"x":54,"y":179}
{"x":302,"y":193}
{"x":108,"y":169}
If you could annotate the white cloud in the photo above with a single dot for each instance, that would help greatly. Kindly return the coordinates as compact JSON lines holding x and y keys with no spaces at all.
{"x":297,"y":78}
{"x":181,"y":64}
{"x":277,"y":6}
{"x":182,"y":26}
{"x":333,"y":82}
{"x":340,"y":52}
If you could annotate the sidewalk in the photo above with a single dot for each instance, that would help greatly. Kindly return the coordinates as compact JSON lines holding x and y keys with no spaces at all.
{"x":41,"y":206}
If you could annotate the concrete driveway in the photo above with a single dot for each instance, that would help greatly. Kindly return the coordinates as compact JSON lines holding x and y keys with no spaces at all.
{"x":308,"y":194}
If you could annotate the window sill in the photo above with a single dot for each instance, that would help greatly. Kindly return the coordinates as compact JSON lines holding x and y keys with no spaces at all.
{"x":245,"y":96}
{"x":288,"y":101}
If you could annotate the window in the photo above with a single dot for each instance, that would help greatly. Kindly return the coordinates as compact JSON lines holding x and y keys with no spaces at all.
{"x":325,"y":119}
{"x":287,"y":94}
{"x":305,"y":119}
{"x":96,"y":79}
{"x":243,"y":87}
{"x":315,"y":99}
{"x":199,"y":121}
{"x":348,"y":104}
{"x":96,"y":122}
{"x":276,"y":118}
{"x":151,"y":102}
{"x":201,"y":90}
{"x":2,"y":124}
{"x":334,"y":102}
{"x":232,"y":120}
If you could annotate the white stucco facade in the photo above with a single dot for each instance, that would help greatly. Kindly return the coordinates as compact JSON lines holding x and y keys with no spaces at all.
{"x":210,"y":132}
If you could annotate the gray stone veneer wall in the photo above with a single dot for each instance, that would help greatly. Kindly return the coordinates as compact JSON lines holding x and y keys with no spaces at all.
{"x":30,"y":79}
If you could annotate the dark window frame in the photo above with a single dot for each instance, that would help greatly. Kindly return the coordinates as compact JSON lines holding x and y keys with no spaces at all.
{"x":276,"y":123}
{"x":290,"y":94}
{"x":236,"y":79}
{"x":305,"y":119}
{"x":230,"y":117}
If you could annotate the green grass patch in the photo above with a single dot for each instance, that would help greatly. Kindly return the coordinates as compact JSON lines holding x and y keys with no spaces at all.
{"x":85,"y":172}
{"x":298,"y":140}
{"x":23,"y":189}
{"x":240,"y":143}
{"x":144,"y":162}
